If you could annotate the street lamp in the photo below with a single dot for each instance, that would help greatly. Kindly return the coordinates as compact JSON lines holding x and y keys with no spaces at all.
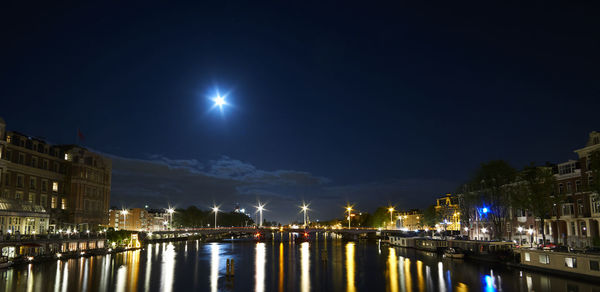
{"x":260,"y":209}
{"x":304,"y":209}
{"x":349,"y":210}
{"x":391,"y":210}
{"x":216,"y":210}
{"x":484,"y":230}
{"x":171,"y":211}
{"x":530,"y":231}
{"x":520,"y":229}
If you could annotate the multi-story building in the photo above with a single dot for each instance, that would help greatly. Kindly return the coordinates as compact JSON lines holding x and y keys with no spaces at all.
{"x":158,"y":219}
{"x":69,"y":183}
{"x":576,"y":222}
{"x":410,"y":220}
{"x":448,"y":208}
{"x":135,"y":219}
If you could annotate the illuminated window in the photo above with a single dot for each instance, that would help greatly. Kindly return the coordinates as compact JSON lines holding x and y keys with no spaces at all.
{"x":55,"y":186}
{"x":571,"y":262}
{"x":32,"y":198}
{"x":53,"y":202}
{"x":8,"y":138}
{"x":544,"y":259}
{"x":66,"y":156}
{"x":63,"y":204}
{"x":527,"y":257}
{"x":18,"y":195}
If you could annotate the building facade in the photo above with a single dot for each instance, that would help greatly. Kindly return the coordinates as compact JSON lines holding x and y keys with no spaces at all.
{"x":410,"y":220}
{"x":448,"y":208}
{"x":576,"y":222}
{"x":69,"y":183}
{"x":135,"y":219}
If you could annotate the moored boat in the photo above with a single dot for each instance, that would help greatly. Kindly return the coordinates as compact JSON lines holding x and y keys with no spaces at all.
{"x":454,"y":253}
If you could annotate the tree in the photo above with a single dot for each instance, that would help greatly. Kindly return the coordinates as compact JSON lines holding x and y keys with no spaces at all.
{"x":491,"y":187}
{"x":380,"y":218}
{"x":536,"y":193}
{"x":430,"y":217}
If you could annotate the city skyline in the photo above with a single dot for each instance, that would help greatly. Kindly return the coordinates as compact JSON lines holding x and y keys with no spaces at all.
{"x":397,"y":106}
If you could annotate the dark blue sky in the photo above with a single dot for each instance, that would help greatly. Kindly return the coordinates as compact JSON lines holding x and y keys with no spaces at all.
{"x":370,"y":104}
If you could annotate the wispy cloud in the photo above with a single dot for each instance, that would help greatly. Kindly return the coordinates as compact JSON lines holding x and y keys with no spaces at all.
{"x":159,"y":181}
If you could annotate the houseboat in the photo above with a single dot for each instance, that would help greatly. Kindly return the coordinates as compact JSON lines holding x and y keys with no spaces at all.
{"x":484,"y":250}
{"x":581,"y":265}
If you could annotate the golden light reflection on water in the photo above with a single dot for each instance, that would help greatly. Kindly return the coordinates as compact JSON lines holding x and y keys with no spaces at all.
{"x":214,"y":266}
{"x":305,"y":265}
{"x":393,"y":269}
{"x":420,"y":279}
{"x":407,"y":277}
{"x":134,"y":268}
{"x":350,"y":269}
{"x":281,"y":273}
{"x":259,"y":277}
{"x":57,"y":278}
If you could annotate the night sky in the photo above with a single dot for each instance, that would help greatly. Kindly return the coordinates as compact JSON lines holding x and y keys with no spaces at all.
{"x":327,"y":103}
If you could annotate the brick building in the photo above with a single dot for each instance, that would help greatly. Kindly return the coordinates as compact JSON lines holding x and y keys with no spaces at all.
{"x":69,"y":183}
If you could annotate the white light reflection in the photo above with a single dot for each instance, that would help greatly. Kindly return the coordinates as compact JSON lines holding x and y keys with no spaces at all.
{"x":260,"y":267}
{"x":65,"y":281}
{"x":85,"y":274}
{"x":168,"y":268}
{"x":441,"y":276}
{"x":29,"y":278}
{"x":401,"y":273}
{"x":57,"y":278}
{"x":106,"y":260}
{"x":148,"y":267}
{"x":214,"y":267}
{"x":121,"y":279}
{"x":305,"y":264}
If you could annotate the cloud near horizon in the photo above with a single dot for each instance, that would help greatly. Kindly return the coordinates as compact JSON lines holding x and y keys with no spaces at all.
{"x":159,"y":181}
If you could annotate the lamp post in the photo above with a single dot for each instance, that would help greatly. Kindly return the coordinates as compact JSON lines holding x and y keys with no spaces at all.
{"x":467,"y":231}
{"x":216,"y":210}
{"x":520,"y":229}
{"x":170,"y":211}
{"x":260,"y":209}
{"x":349,"y":209}
{"x":304,"y":209}
{"x":530,"y":231}
{"x":391,"y":210}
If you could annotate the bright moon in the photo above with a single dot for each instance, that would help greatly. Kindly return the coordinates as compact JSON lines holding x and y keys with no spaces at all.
{"x":220,"y":101}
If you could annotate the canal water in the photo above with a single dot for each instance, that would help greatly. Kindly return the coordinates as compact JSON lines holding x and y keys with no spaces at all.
{"x":324,"y":265}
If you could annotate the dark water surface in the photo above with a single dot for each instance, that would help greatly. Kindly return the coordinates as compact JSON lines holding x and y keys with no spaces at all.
{"x":324,"y":265}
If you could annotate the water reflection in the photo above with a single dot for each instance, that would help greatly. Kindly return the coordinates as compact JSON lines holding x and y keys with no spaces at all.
{"x":214,"y":266}
{"x":350,"y":287}
{"x":281,"y":274}
{"x":351,"y":266}
{"x":393,"y":269}
{"x":168,"y":267}
{"x":260,"y":267}
{"x":305,"y":264}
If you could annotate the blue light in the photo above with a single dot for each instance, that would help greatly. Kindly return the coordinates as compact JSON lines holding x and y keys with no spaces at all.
{"x":484,"y":210}
{"x":489,"y":284}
